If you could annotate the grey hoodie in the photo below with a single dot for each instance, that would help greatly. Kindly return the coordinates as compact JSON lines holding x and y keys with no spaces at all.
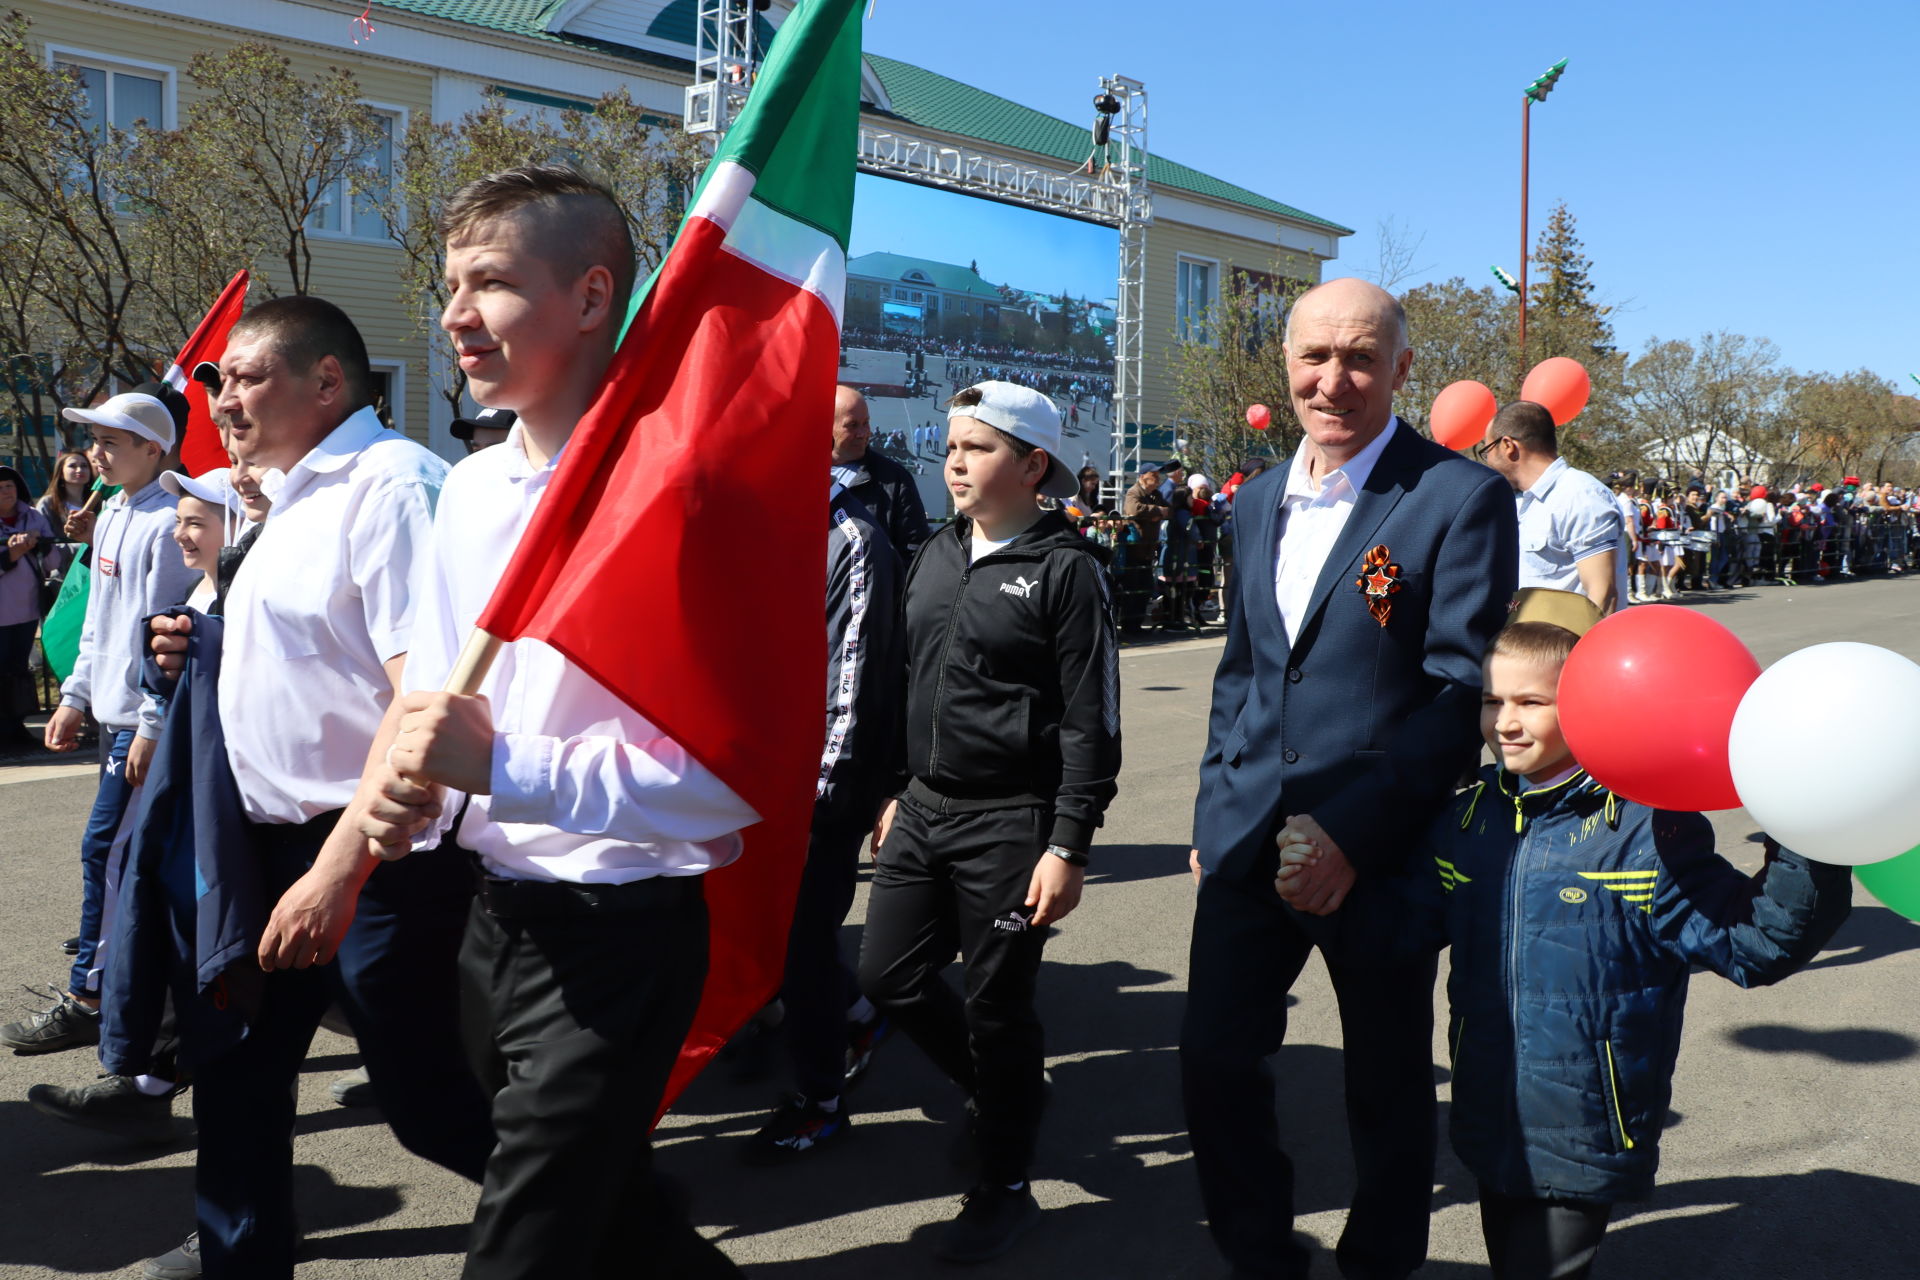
{"x":137,"y":571}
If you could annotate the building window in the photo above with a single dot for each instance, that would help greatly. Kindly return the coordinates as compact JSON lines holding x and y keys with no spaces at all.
{"x":1193,"y":297}
{"x":350,"y":207}
{"x":390,"y":392}
{"x":121,"y":94}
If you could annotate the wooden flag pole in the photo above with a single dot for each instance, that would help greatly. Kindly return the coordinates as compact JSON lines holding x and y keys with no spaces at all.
{"x":475,"y":660}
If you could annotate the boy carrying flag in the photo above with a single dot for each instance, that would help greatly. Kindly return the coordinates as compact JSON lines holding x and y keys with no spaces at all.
{"x":1575,"y":918}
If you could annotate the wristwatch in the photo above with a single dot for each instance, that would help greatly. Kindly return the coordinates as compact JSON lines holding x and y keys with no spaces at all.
{"x":1071,"y":857}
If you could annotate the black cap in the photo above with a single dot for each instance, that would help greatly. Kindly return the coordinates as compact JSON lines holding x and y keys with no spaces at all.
{"x":207,"y":374}
{"x":501,"y":418}
{"x":175,"y":402}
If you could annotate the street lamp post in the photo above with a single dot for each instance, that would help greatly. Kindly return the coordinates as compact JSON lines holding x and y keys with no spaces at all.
{"x":1536,"y":92}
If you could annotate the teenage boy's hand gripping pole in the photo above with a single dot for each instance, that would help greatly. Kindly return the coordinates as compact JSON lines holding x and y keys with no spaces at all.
{"x":440,"y":740}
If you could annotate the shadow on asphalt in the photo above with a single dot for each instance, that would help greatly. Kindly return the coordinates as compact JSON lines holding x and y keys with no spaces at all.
{"x":1849,"y":1044}
{"x":103,"y":1220}
{"x":1871,"y":932}
{"x":1825,"y":1222}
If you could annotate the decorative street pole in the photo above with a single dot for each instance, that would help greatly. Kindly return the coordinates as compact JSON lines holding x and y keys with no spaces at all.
{"x":1536,"y":92}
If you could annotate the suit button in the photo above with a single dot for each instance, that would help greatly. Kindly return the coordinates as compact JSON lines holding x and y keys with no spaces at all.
{"x":1293,"y":675}
{"x":1290,"y":755}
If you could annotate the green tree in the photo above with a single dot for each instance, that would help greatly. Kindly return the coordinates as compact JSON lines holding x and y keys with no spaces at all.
{"x":1459,"y":332}
{"x":1567,"y":317}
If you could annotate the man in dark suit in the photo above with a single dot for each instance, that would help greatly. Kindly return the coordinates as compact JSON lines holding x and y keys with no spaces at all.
{"x":1373,"y":573}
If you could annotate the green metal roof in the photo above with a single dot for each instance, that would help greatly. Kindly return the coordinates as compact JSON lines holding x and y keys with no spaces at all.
{"x":933,"y":101}
{"x":918,"y":96}
{"x":944,"y":275}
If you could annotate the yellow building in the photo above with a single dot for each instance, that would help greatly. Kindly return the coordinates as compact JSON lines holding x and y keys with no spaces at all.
{"x":443,"y":56}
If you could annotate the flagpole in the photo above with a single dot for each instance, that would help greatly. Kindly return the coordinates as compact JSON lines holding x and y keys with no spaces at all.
{"x":475,"y":660}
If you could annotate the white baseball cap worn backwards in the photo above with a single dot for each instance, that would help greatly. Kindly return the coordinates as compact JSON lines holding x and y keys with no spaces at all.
{"x":1027,"y":415}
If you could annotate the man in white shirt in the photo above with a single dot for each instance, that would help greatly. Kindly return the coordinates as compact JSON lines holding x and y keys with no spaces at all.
{"x":586,"y":947}
{"x":319,"y":619}
{"x":1571,"y":534}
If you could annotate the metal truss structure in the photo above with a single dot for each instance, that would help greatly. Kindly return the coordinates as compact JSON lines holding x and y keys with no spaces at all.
{"x":1110,"y":188}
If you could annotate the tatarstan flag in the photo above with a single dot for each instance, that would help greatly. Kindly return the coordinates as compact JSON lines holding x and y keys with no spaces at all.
{"x":200,"y":447}
{"x":679,"y":555}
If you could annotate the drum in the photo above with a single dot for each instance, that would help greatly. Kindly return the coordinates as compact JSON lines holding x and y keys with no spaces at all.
{"x":1699,"y":541}
{"x":1672,"y":537}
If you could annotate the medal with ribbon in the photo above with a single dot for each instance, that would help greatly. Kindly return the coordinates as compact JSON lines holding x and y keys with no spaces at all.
{"x":1379,"y":582}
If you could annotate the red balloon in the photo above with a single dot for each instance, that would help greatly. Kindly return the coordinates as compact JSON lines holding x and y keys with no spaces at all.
{"x":1461,"y":413}
{"x":1258,"y":416}
{"x":1646,"y":703}
{"x":1560,"y":386}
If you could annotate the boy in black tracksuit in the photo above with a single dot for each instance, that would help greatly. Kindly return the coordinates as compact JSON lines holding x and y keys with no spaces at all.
{"x":1013,"y":746}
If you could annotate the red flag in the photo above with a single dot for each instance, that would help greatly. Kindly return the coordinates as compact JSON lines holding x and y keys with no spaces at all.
{"x":200,"y":449}
{"x":677,"y":555}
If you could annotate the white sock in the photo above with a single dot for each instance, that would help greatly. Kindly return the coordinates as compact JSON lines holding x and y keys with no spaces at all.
{"x":153,"y":1086}
{"x":862,"y":1010}
{"x":828,"y":1105}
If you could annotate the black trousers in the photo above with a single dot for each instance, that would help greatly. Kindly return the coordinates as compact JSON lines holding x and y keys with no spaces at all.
{"x":956,"y":883}
{"x":1530,"y":1239}
{"x":578,"y":998}
{"x":818,"y":987}
{"x":1247,"y":951}
{"x":396,"y":979}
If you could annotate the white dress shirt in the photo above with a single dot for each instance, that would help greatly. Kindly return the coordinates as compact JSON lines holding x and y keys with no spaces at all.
{"x":585,"y":788}
{"x":323,"y":599}
{"x":1567,"y":516}
{"x":1312,"y":516}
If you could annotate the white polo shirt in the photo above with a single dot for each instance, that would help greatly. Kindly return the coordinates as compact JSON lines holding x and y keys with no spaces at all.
{"x":1567,"y":516}
{"x":585,"y":789}
{"x":325,"y":597}
{"x":1311,"y":521}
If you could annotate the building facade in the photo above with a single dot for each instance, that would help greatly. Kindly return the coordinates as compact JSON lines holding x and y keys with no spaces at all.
{"x":442,"y":57}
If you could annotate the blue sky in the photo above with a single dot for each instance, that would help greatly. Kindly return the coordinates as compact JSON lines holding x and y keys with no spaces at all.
{"x":1020,"y":247}
{"x":1750,"y":167}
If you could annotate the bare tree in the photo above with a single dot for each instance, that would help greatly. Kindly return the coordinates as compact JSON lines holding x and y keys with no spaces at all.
{"x":1396,"y":250}
{"x":1237,"y":360}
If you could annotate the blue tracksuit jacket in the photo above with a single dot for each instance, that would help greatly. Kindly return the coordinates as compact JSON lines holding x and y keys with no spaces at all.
{"x":1575,"y":918}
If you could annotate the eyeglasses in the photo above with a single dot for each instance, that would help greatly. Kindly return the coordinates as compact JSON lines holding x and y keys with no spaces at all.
{"x":1485,"y":447}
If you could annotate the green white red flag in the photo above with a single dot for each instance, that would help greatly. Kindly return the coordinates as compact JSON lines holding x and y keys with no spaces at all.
{"x":679,"y":555}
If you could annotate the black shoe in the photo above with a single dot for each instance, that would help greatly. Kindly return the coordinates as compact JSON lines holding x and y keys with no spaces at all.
{"x":112,"y":1104}
{"x":991,"y":1218}
{"x":177,"y":1264}
{"x":71,"y":946}
{"x":862,"y":1039}
{"x":354,"y":1089}
{"x":798,"y":1128}
{"x":65,"y":1024}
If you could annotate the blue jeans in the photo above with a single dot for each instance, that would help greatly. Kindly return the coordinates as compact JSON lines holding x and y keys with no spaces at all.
{"x":109,"y":809}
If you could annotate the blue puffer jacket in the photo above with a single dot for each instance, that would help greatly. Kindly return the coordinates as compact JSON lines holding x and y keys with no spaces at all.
{"x":1574,"y":918}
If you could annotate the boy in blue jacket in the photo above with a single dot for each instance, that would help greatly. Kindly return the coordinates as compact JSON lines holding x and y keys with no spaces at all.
{"x":1575,"y":917}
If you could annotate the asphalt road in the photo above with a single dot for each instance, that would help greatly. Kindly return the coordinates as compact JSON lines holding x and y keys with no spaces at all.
{"x":1793,"y":1150}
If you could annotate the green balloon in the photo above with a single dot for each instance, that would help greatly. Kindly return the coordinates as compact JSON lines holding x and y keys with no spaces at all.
{"x":1896,"y":882}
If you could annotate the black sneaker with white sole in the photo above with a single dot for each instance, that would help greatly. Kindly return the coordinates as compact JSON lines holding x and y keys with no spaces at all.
{"x":799,"y":1128}
{"x":113,"y":1104}
{"x":64,"y":1024}
{"x":991,"y":1218}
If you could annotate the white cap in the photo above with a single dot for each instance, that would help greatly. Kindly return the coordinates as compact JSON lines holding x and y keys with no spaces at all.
{"x":131,"y":411}
{"x":215,"y":488}
{"x":1027,"y":415}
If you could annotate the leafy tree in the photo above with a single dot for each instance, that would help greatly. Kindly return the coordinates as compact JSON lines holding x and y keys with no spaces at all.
{"x":1458,"y":332}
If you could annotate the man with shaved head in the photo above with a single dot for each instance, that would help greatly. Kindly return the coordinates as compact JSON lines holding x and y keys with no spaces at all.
{"x":1373,"y":573}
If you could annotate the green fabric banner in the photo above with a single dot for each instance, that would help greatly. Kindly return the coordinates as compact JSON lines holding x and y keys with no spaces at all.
{"x":60,"y":633}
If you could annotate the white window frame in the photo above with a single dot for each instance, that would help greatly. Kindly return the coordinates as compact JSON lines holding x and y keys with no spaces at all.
{"x":1184,"y":322}
{"x":343,"y":191}
{"x":396,"y":371}
{"x":169,"y":77}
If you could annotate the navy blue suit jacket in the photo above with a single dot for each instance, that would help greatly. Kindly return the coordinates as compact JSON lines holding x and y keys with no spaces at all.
{"x":1365,"y":727}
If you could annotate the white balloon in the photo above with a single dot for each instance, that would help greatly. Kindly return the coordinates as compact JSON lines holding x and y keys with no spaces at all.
{"x":1848,"y":802}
